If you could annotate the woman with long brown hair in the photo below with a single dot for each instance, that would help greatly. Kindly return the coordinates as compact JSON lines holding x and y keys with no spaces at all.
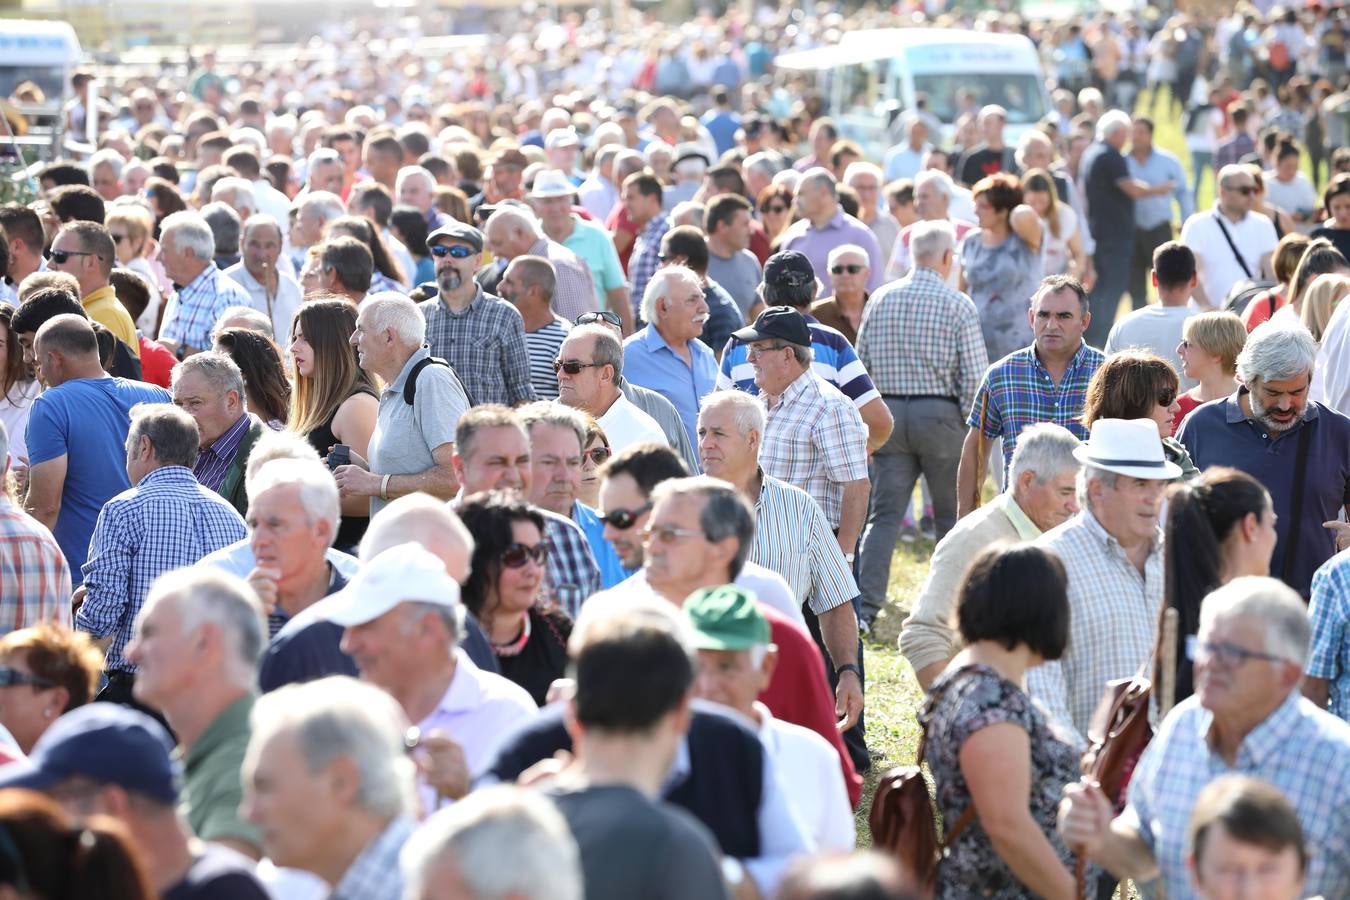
{"x":18,"y":387}
{"x":333,"y":401}
{"x":267,"y":389}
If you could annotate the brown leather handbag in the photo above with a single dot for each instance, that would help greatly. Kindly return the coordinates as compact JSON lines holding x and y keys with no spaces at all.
{"x":903,"y":821}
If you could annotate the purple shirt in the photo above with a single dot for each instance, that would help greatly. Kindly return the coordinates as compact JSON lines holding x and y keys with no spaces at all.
{"x":478,"y":710}
{"x":213,"y":461}
{"x":816,"y":243}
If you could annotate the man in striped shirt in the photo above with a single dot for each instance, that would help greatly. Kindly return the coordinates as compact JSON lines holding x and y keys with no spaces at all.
{"x":210,"y":388}
{"x":792,"y":536}
{"x":528,"y":284}
{"x":203,"y":292}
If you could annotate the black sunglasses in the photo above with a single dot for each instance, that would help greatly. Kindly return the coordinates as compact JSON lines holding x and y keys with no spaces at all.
{"x":775,"y":208}
{"x":517,"y":555}
{"x":850,"y":268}
{"x":1166,"y":396}
{"x":623,"y":519}
{"x":60,"y":256}
{"x":603,"y":315}
{"x":572,"y":367}
{"x":10,"y":676}
{"x":598,"y":455}
{"x":457,"y":251}
{"x":1245,"y":190}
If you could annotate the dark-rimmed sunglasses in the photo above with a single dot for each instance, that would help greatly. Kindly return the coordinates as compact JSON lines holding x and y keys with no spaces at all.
{"x":455,"y":251}
{"x":1166,"y":396}
{"x":572,"y":366}
{"x":60,"y":256}
{"x":597,"y":455}
{"x":850,"y":268}
{"x":604,"y":315}
{"x":10,"y":676}
{"x":517,"y":555}
{"x":623,"y":519}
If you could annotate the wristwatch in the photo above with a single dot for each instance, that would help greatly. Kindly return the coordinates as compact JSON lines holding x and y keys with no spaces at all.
{"x":848,"y":667}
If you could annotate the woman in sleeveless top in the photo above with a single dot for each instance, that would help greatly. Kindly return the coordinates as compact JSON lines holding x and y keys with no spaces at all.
{"x":332,"y":400}
{"x":1001,"y":263}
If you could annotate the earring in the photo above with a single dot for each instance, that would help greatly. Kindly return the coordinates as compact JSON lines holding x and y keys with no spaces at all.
{"x":46,"y":713}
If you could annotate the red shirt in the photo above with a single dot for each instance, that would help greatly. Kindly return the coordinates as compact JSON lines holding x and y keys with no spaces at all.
{"x":157,"y":363}
{"x":800,"y":691}
{"x":1187,"y":403}
{"x":618,"y":221}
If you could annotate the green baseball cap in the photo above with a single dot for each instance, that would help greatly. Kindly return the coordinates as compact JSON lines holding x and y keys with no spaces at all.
{"x":726,"y":618}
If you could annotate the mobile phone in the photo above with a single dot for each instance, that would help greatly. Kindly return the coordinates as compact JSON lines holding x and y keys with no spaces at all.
{"x":340,"y":455}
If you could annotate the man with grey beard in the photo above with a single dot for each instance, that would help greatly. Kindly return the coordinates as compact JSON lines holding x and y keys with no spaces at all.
{"x":482,"y":337}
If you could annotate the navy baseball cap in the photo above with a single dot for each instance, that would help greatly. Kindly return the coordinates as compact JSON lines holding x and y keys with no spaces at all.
{"x":788,"y":269}
{"x":781,"y":323}
{"x":106,"y":743}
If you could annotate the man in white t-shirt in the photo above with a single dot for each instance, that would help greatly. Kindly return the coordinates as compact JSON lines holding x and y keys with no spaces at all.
{"x":1158,"y":328}
{"x":1251,"y":233}
{"x":589,"y":364}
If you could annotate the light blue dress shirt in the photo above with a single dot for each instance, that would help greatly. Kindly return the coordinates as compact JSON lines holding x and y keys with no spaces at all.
{"x":648,"y":361}
{"x":1159,"y":167}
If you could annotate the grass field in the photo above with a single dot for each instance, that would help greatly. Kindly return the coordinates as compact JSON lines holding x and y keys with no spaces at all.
{"x":893,"y":696}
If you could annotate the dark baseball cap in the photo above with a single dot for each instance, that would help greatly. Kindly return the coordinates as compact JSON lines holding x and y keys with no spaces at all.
{"x":457,"y":231}
{"x":788,"y":269}
{"x":781,"y":323}
{"x":106,"y":743}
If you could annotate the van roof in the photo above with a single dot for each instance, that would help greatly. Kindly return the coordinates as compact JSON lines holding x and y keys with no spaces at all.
{"x":887,"y":43}
{"x":29,"y":41}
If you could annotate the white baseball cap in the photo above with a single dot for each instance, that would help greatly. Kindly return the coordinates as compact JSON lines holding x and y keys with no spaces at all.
{"x":406,"y":573}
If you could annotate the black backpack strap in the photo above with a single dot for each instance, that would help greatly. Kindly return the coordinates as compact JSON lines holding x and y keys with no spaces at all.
{"x":410,"y":386}
{"x":1218,"y":220}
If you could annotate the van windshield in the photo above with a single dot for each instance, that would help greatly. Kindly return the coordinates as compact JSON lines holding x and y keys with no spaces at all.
{"x":1021,"y":95}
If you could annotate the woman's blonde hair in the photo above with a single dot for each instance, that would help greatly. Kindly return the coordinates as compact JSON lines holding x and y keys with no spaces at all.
{"x":1220,"y":333}
{"x":1320,"y":300}
{"x":138,"y":221}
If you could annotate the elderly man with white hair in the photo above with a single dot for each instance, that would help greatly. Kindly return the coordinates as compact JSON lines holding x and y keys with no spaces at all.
{"x":514,"y":231}
{"x":1111,"y":192}
{"x":416,"y":187}
{"x":414,"y":438}
{"x":933,"y":194}
{"x":824,"y":225}
{"x":1298,"y":448}
{"x":866,"y":180}
{"x":327,"y":780}
{"x":1246,"y":716}
{"x":323,"y":172}
{"x":1041,"y":495}
{"x":236,"y":193}
{"x":666,"y":355}
{"x":848,"y":271}
{"x":310,"y":216}
{"x":198,"y":640}
{"x":921,"y":342}
{"x":1231,"y":241}
{"x":188,"y":249}
{"x":402,"y":622}
{"x":105,"y":173}
{"x":501,"y":843}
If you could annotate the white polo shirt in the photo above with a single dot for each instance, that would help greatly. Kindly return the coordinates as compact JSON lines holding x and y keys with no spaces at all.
{"x":1218,"y":267}
{"x":810,"y":766}
{"x":625,"y":424}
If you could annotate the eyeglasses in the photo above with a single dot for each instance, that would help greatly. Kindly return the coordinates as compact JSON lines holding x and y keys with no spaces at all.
{"x":603,"y":315}
{"x":10,"y":676}
{"x":624,"y":519}
{"x":517,"y":555}
{"x":1230,"y":656}
{"x":1245,"y":190}
{"x":118,"y":238}
{"x":669,"y":533}
{"x":572,"y":366}
{"x":597,"y":455}
{"x":455,"y":251}
{"x":776,"y":209}
{"x":752,"y":350}
{"x":60,"y":256}
{"x":851,"y":268}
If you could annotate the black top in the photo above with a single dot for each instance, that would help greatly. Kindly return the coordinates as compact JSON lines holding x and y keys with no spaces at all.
{"x":1108,"y":206}
{"x":219,"y":873}
{"x":352,"y":528}
{"x":544,"y":657}
{"x":1338,"y":236}
{"x":980,"y":161}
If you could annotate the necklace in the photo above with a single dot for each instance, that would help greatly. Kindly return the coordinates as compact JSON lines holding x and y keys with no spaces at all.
{"x":515,"y":646}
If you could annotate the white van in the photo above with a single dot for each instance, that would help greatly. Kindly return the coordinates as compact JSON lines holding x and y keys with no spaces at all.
{"x":870,"y":78}
{"x":46,"y":53}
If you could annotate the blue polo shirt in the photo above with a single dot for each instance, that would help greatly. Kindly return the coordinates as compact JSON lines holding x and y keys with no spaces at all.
{"x":648,"y":361}
{"x":1218,"y":434}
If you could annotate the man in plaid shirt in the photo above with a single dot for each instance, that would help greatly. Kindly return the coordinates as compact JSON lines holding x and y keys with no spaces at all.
{"x":481,"y":336}
{"x":166,"y":521}
{"x":642,"y":195}
{"x":34,"y":576}
{"x":203,"y":292}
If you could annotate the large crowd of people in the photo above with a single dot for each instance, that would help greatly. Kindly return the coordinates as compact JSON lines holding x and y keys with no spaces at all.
{"x":475,"y":477}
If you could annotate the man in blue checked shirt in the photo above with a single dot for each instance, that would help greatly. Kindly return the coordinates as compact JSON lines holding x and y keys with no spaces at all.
{"x":1247,"y":716}
{"x":165,"y":521}
{"x":203,"y":292}
{"x":789,"y":280}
